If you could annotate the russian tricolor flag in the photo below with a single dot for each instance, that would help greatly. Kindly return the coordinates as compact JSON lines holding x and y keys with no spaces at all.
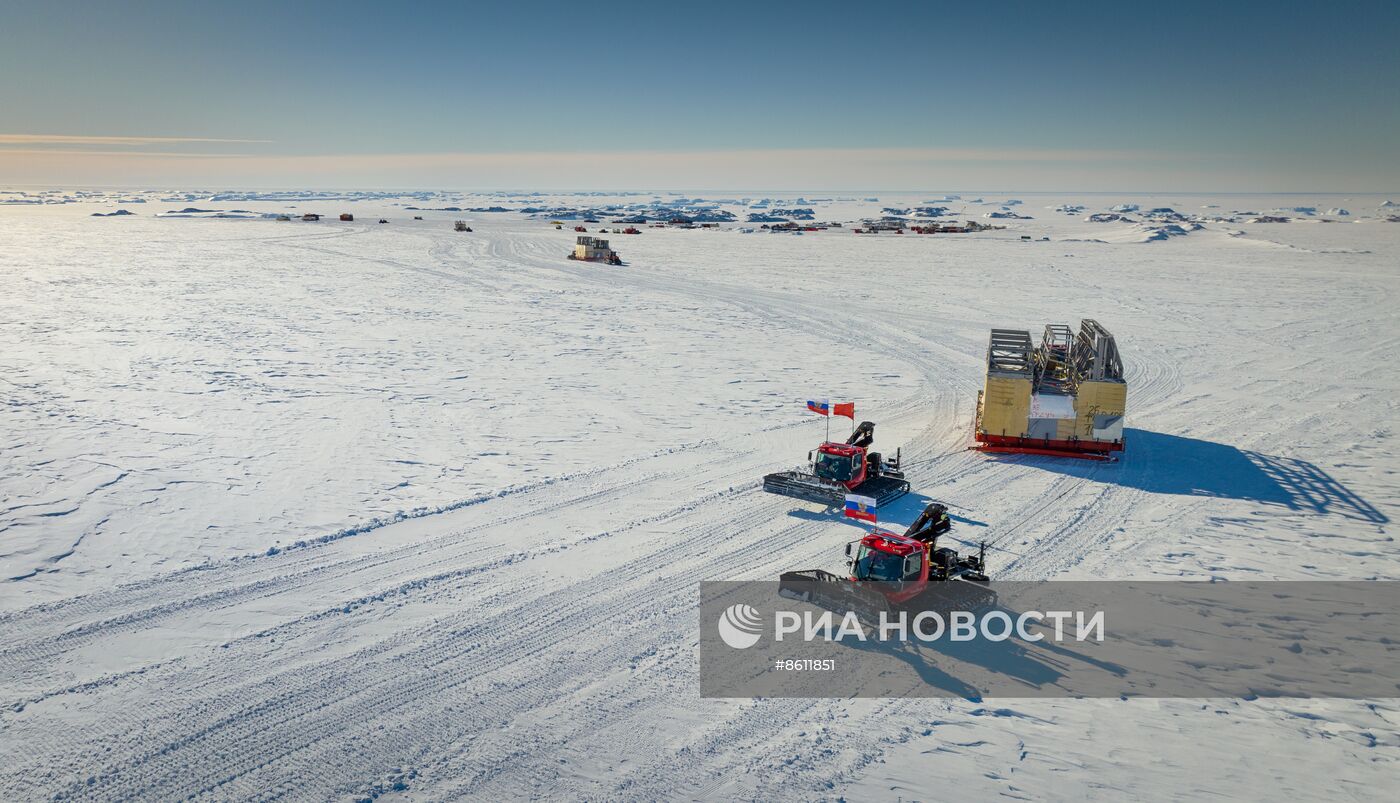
{"x":860,"y":507}
{"x":825,"y":407}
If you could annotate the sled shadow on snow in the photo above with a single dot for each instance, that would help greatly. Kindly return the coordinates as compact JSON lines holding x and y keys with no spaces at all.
{"x":1170,"y":464}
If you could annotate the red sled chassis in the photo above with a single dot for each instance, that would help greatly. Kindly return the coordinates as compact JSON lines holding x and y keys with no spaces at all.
{"x":1085,"y":449}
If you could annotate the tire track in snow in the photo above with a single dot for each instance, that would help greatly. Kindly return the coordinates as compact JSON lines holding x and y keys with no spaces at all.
{"x":696,"y":545}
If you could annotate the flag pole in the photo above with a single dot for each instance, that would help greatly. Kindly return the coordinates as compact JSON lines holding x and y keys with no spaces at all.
{"x":827,"y":439}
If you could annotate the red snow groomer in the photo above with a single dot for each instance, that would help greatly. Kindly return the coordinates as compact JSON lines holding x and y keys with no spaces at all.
{"x":888,"y":571}
{"x":836,"y":469}
{"x":594,"y":249}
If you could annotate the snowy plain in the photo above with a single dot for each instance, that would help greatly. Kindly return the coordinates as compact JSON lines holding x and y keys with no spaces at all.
{"x":339,"y":510}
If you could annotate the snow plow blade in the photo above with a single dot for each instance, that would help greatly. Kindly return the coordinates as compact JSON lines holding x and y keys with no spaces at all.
{"x":801,"y":485}
{"x":804,"y":486}
{"x":833,"y":593}
{"x":868,"y":600}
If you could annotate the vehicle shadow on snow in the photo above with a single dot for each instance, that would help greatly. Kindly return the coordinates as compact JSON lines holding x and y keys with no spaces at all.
{"x":896,"y":515}
{"x":1171,"y":464}
{"x":1039,"y":668}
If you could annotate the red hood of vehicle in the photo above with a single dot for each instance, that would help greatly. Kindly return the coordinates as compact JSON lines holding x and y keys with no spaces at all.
{"x":891,"y":543}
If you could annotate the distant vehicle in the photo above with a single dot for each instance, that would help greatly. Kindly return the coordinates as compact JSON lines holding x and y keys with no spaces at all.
{"x":594,"y":249}
{"x":382,"y":220}
{"x":346,"y":216}
{"x":461,"y":225}
{"x":284,"y":217}
{"x":417,"y":217}
{"x":311,"y":217}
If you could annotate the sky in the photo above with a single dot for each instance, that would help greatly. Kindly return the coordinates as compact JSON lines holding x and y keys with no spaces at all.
{"x":1087,"y":96}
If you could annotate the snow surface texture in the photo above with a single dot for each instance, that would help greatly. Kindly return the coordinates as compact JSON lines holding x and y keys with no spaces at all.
{"x":349,"y":510}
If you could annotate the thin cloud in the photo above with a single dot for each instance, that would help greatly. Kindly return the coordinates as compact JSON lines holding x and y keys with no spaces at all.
{"x":722,"y":157}
{"x":466,"y":159}
{"x":83,"y":139}
{"x":802,"y":169}
{"x":154,"y":154}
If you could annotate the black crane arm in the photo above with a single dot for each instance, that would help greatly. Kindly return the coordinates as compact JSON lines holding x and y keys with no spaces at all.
{"x":863,"y":436}
{"x":930,"y":523}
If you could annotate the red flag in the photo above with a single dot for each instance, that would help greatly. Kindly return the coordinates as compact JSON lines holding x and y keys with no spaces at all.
{"x":848,"y":410}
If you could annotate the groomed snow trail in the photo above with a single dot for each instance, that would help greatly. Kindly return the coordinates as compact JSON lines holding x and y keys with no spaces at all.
{"x":527,"y":626}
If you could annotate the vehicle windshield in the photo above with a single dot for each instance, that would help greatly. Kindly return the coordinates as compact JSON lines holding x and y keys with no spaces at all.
{"x":872,"y":564}
{"x":833,"y":467}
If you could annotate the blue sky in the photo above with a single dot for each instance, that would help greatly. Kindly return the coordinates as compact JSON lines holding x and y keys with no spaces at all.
{"x":1092,"y":96}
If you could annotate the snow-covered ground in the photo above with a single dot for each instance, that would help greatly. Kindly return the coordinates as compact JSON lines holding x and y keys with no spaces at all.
{"x":323,"y":510}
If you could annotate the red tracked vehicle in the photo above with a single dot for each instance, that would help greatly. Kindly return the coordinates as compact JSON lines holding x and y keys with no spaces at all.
{"x":836,"y":469}
{"x":890,"y":571}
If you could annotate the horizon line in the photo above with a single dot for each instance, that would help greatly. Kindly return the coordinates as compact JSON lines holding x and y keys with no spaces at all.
{"x":660,"y":190}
